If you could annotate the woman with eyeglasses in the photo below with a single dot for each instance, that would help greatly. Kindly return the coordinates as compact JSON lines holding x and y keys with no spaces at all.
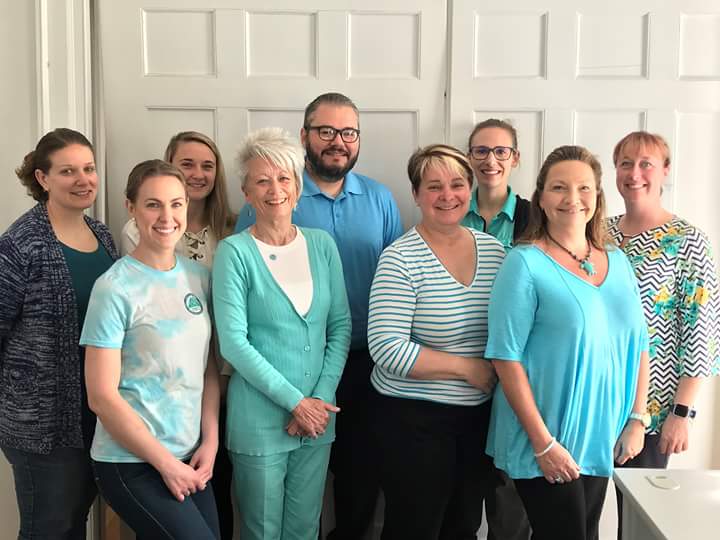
{"x":497,"y":210}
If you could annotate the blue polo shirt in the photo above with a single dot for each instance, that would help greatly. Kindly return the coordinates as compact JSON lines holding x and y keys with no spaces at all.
{"x":363,"y":219}
{"x":501,"y":226}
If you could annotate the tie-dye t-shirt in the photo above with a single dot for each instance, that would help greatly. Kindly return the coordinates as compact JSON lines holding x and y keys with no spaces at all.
{"x":160,"y":321}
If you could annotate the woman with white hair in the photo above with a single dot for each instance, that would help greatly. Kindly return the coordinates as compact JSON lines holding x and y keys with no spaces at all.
{"x":283,"y":323}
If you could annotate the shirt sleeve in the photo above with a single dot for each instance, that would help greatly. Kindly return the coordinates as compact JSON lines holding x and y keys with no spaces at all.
{"x":230,"y":290}
{"x":338,"y":325}
{"x":698,"y":303}
{"x":390,"y":315}
{"x":246,"y":217}
{"x":129,"y":237}
{"x":511,"y":314}
{"x":393,"y":222}
{"x":108,"y":316}
{"x":14,"y":273}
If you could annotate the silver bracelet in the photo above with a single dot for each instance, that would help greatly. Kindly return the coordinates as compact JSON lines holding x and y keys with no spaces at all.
{"x":547,"y":449}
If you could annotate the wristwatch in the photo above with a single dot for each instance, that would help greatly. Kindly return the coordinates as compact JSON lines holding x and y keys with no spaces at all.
{"x":683,"y":411}
{"x":643,"y":418}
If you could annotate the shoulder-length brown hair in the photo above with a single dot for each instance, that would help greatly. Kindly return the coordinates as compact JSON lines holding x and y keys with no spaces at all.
{"x":218,"y":215}
{"x":595,"y":230}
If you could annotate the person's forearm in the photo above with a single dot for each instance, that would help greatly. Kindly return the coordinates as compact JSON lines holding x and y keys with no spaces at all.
{"x":210,"y":403}
{"x":517,"y":390}
{"x":687,"y":390}
{"x":127,"y":429}
{"x":434,"y":365}
{"x":640,"y":404}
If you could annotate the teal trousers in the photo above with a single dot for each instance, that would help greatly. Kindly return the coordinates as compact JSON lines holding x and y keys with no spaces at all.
{"x":279,"y":497}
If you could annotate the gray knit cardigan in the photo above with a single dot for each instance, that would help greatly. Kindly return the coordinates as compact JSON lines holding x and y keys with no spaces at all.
{"x":40,"y":364}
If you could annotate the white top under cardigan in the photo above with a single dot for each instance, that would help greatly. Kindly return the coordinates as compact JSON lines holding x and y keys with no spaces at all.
{"x":290,"y":267}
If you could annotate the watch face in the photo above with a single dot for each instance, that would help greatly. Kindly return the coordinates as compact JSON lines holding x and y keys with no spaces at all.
{"x":681,"y":410}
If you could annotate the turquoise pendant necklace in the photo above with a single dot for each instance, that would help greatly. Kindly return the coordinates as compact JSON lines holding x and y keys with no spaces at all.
{"x":585,"y":264}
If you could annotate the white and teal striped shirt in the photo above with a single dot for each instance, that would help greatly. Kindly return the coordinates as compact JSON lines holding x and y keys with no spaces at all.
{"x":415,"y":302}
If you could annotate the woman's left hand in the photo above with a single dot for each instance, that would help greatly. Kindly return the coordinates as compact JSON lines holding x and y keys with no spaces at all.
{"x":203,"y":460}
{"x":294,"y":429}
{"x":630,"y":443}
{"x":674,"y":435}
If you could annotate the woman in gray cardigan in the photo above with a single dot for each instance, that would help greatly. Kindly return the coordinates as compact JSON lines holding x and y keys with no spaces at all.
{"x":49,"y":260}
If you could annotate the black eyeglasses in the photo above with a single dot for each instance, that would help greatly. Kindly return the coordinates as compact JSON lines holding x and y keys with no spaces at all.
{"x":328,"y":133}
{"x":502,"y":153}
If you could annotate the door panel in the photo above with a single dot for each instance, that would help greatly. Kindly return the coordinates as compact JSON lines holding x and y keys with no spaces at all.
{"x":225,"y":68}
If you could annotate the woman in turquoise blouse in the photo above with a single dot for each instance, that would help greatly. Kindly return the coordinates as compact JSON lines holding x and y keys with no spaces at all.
{"x":284,"y":325}
{"x":569,"y":343}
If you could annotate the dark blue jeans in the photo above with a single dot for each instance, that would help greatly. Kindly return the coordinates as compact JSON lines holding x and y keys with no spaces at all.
{"x":54,"y":492}
{"x":137,"y":493}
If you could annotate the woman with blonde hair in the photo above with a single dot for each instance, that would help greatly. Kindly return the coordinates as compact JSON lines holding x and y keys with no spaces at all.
{"x":675,"y":271}
{"x":210,"y":218}
{"x":427,"y":330}
{"x":569,"y":344}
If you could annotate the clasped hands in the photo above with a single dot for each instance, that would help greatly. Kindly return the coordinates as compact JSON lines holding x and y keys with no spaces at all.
{"x":310,"y":418}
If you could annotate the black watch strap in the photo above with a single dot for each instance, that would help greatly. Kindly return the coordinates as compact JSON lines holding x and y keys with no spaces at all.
{"x":683,"y":411}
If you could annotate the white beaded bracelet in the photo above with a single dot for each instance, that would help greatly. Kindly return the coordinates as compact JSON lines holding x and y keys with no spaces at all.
{"x":547,"y":449}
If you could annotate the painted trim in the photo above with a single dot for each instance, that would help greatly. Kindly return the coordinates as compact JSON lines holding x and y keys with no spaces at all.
{"x":42,"y":66}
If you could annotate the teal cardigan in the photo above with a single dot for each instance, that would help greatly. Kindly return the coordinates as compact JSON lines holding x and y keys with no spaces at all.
{"x":279,"y":357}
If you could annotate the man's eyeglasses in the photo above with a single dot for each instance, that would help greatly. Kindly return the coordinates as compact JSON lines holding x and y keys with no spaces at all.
{"x":328,"y":133}
{"x":502,"y":153}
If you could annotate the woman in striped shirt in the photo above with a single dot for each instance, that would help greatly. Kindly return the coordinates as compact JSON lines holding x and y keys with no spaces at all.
{"x":427,"y":332}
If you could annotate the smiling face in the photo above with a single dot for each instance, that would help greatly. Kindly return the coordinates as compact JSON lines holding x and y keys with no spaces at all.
{"x":199,"y":165}
{"x":160,"y":212}
{"x":569,"y":197}
{"x":640,"y":172}
{"x":443,"y":196}
{"x":71,"y":181}
{"x":271,"y":190}
{"x":491,"y":172}
{"x":330,"y":160}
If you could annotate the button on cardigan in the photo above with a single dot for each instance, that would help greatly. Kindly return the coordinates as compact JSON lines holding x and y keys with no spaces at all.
{"x":279,"y":357}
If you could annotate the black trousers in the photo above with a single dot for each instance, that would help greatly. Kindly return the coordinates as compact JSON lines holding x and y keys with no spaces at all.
{"x":353,"y":459}
{"x":504,"y":510}
{"x":568,"y":511}
{"x":222,"y":481}
{"x":649,"y":458}
{"x":433,"y":468}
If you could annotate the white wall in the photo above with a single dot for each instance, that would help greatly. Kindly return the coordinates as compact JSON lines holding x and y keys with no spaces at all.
{"x":17,"y":116}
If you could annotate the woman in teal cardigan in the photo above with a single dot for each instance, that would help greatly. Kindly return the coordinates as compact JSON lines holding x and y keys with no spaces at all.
{"x":283,"y":323}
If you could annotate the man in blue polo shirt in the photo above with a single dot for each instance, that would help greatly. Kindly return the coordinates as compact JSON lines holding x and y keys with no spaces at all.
{"x":363,"y":218}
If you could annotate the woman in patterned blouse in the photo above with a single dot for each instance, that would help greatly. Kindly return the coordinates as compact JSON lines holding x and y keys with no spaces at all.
{"x":679,"y":289}
{"x":209,"y":216}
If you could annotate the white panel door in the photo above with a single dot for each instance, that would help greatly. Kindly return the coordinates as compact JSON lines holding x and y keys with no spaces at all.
{"x":585,"y":72}
{"x":226,"y":67}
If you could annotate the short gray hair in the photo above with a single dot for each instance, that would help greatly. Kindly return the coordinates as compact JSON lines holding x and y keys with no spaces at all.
{"x":276,"y":146}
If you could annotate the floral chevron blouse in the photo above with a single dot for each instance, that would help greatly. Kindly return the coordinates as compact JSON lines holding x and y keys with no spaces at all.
{"x":678,"y":283}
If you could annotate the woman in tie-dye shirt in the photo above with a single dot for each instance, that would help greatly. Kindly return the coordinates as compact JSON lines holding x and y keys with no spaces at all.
{"x":147,"y":334}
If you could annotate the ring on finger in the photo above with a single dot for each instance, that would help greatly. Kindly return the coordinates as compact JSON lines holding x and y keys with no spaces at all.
{"x":558,"y":479}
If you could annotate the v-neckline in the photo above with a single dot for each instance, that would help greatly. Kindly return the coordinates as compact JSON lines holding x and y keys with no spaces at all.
{"x":573,"y":274}
{"x":448,"y":272}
